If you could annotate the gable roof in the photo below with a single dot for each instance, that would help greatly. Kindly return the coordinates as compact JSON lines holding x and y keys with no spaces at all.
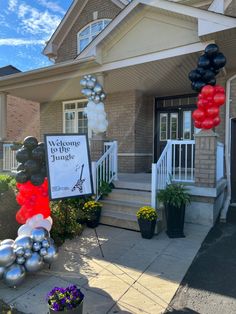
{"x":8,"y":70}
{"x":208,"y":22}
{"x":67,"y":22}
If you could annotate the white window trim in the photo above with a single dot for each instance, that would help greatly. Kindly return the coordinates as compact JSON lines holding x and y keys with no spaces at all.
{"x":76,"y":101}
{"x":166,"y":138}
{"x":90,"y":34}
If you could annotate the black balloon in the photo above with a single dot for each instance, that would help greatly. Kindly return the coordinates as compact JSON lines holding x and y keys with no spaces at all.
{"x":209,"y":75}
{"x":219,"y":61}
{"x":38,"y":153}
{"x":32,"y":166}
{"x":204,"y":62}
{"x":41,"y":144}
{"x":43,"y":171}
{"x":30,"y":142}
{"x":22,"y":177}
{"x":37,"y":179}
{"x":194,"y":76}
{"x":20,"y":167}
{"x":212,"y":82}
{"x":22,"y":155}
{"x":201,"y":70}
{"x":197,"y":86}
{"x":211,"y":50}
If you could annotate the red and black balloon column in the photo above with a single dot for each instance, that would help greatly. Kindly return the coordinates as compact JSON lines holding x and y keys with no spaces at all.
{"x":211,"y":96}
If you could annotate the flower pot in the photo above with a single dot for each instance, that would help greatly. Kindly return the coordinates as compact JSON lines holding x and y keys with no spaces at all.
{"x":147,"y":228}
{"x":77,"y":310}
{"x":175,"y":221}
{"x":93,"y":219}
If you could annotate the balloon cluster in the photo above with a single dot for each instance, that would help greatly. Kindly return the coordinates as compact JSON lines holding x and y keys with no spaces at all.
{"x":28,"y":253}
{"x":97,"y":120}
{"x":209,"y":65}
{"x":209,"y":101}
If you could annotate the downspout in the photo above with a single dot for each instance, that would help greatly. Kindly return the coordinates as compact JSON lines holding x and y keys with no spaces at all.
{"x":227,"y":149}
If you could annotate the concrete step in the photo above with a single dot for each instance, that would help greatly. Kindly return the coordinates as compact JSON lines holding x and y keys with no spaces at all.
{"x":130,"y":196}
{"x":132,"y":185}
{"x":122,"y":206}
{"x":118,"y":219}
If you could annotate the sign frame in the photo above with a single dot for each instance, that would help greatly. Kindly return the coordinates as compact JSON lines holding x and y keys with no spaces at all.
{"x":48,"y":167}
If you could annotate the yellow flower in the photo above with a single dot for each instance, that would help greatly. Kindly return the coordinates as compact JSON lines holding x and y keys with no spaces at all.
{"x":147,"y":212}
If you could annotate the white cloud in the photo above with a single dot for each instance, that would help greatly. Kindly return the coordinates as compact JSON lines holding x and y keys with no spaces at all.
{"x":20,"y":42}
{"x":53,"y":6}
{"x":12,"y":4}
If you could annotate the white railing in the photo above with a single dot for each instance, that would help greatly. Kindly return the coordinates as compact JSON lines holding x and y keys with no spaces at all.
{"x":219,"y":161}
{"x":9,"y":158}
{"x":105,"y":169}
{"x":176,"y":163}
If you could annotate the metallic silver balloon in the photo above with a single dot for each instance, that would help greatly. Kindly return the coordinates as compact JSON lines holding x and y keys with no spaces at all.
{"x":103,"y":96}
{"x":39,"y":234}
{"x":24,"y":241}
{"x":97,"y":89}
{"x":87,"y":92}
{"x":93,"y":78}
{"x":90,"y":84}
{"x":45,"y":244}
{"x":43,"y":251}
{"x":89,"y":76}
{"x":20,"y":260}
{"x":83,"y":83}
{"x":97,"y":99}
{"x":34,"y":263}
{"x":2,"y":269}
{"x":52,"y":254}
{"x":28,"y":253}
{"x":19,"y":251}
{"x":7,"y":242}
{"x":7,"y":255}
{"x":37,"y":246}
{"x":14,"y":275}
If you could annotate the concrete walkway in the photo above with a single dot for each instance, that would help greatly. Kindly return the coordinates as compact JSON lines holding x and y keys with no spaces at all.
{"x":134,"y":276}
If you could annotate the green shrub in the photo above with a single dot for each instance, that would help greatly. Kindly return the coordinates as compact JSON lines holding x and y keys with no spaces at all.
{"x":105,"y":188}
{"x":6,"y":182}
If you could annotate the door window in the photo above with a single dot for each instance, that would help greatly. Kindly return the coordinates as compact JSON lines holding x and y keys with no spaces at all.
{"x":187,"y":125}
{"x":163,"y":126}
{"x":174,"y":126}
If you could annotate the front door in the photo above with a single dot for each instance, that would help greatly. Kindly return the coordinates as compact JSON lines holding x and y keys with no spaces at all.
{"x":233,"y":163}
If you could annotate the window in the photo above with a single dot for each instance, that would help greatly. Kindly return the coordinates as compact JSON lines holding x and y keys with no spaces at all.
{"x":87,"y":34}
{"x":163,"y":126}
{"x":187,"y":125}
{"x":74,"y":119}
{"x":174,"y":126}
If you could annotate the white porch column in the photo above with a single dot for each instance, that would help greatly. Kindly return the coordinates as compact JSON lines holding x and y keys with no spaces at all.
{"x":3,"y":116}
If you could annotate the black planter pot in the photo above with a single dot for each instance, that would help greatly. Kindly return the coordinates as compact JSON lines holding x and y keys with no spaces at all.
{"x":175,"y":221}
{"x":93,"y":220}
{"x":147,"y":228}
{"x":76,"y":310}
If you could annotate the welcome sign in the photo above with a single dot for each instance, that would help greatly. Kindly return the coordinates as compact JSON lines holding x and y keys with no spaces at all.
{"x":69,"y":166}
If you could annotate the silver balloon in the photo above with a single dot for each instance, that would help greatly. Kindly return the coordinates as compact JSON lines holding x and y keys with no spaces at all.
{"x":34,"y":263}
{"x":2,"y":269}
{"x":93,"y":78}
{"x":37,"y":246}
{"x":43,"y":251}
{"x":39,"y":234}
{"x":7,"y":255}
{"x":19,"y":251}
{"x":14,"y":275}
{"x":102,"y":96}
{"x":7,"y":242}
{"x":83,"y":83}
{"x":28,"y":253}
{"x":45,"y":244}
{"x":89,"y":76}
{"x":52,"y":254}
{"x":87,"y":92}
{"x":20,"y":260}
{"x":86,"y":77}
{"x":97,"y":89}
{"x":24,"y":241}
{"x":90,"y":84}
{"x":93,"y":93}
{"x":97,"y":99}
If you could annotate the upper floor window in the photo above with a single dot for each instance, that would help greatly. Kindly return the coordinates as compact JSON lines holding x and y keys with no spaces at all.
{"x":89,"y":32}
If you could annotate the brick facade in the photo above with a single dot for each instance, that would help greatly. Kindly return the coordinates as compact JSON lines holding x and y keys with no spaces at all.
{"x":106,"y":10}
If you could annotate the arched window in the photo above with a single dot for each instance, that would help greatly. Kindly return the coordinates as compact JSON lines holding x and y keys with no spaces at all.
{"x":89,"y":32}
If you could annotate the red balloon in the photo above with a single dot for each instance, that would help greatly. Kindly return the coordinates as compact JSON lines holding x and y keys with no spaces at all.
{"x":198,"y":124}
{"x":212,"y":112}
{"x":219,"y":89}
{"x":200,"y":104}
{"x":198,"y":115}
{"x":207,"y":124}
{"x":216,"y":121}
{"x":200,"y":96}
{"x":208,"y":90}
{"x":219,"y":99}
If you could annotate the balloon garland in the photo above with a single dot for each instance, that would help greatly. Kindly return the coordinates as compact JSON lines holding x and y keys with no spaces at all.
{"x":95,"y":111}
{"x":33,"y":247}
{"x":211,"y":96}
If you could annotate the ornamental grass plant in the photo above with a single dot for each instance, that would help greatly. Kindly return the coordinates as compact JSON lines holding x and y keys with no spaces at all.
{"x":147,"y":213}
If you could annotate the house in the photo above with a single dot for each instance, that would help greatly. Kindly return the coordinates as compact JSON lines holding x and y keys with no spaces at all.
{"x":142,"y":51}
{"x":20,"y":117}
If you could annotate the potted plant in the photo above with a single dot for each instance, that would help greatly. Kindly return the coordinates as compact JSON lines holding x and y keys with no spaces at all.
{"x":66,"y":300}
{"x":92,"y":211}
{"x":147,"y":218}
{"x":174,"y":197}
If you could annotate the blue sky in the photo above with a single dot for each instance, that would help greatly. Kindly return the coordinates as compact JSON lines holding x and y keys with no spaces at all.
{"x":25,"y":25}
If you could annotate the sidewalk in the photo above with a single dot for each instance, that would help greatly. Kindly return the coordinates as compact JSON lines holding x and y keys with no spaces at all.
{"x":135,"y":275}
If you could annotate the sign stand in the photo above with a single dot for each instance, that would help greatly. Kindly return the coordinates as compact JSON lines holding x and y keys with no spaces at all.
{"x":100,"y":247}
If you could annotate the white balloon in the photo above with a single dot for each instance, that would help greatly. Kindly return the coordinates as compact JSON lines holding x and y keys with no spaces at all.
{"x":44,"y":224}
{"x":101,"y":117}
{"x":24,"y":230}
{"x":50,"y":220}
{"x":100,"y":106}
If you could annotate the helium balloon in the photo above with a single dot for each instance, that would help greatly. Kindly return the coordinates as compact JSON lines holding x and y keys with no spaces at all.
{"x":7,"y":242}
{"x":52,"y":254}
{"x":14,"y":275}
{"x":207,"y":90}
{"x":2,"y":269}
{"x":20,"y":167}
{"x":216,"y":121}
{"x":37,"y":179}
{"x":21,"y":177}
{"x":45,"y":244}
{"x":39,"y":234}
{"x":194,"y":76}
{"x":31,"y":166}
{"x":204,"y":62}
{"x":90,"y":84}
{"x":38,"y":154}
{"x":19,"y":251}
{"x":97,"y":99}
{"x":24,"y":241}
{"x":102,"y":96}
{"x":198,"y":85}
{"x":212,"y":82}
{"x":34,"y":263}
{"x":83,"y":83}
{"x":219,"y":89}
{"x":219,"y":99}
{"x":30,"y":142}
{"x":219,"y":61}
{"x":208,"y":76}
{"x":201,"y":70}
{"x":7,"y":255}
{"x":212,"y":112}
{"x":37,"y":246}
{"x":43,"y":252}
{"x":24,"y":230}
{"x":22,"y":155}
{"x":211,"y":50}
{"x":98,"y":89}
{"x":20,"y":260}
{"x":41,"y":144}
{"x":207,"y":124}
{"x":28,"y":253}
{"x":198,"y":115}
{"x":198,"y":124}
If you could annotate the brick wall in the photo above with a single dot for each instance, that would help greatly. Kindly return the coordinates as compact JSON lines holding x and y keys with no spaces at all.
{"x":22,"y":118}
{"x":105,"y":8}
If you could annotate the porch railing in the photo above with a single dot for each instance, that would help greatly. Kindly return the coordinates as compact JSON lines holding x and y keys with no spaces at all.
{"x":9,"y":158}
{"x":219,"y":161}
{"x":105,"y":169}
{"x":176,"y":163}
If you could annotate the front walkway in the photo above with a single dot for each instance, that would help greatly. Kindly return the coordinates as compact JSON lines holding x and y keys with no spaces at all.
{"x":134,"y":276}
